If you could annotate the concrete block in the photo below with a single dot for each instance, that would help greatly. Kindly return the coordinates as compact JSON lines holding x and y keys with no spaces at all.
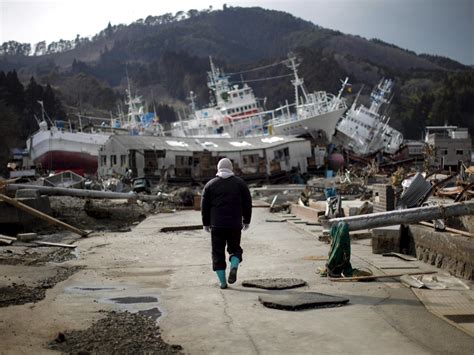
{"x":386,"y":239}
{"x":27,"y":193}
{"x":12,"y":215}
{"x":27,"y":237}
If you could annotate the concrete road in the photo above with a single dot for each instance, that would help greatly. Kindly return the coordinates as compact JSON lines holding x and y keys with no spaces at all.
{"x":382,"y":317}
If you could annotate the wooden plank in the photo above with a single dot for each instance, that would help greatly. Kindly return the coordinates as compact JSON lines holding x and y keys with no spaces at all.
{"x":374,"y":277}
{"x":49,"y":244}
{"x":181,"y":228}
{"x":41,"y":215}
{"x":401,"y":256}
{"x":315,"y":257}
{"x":5,"y":241}
{"x":449,"y":229}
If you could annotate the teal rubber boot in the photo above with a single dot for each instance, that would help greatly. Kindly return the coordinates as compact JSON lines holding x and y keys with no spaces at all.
{"x":221,"y":277}
{"x":234,"y":265}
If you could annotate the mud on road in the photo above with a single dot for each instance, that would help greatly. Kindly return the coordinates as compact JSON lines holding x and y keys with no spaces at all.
{"x":17,"y":294}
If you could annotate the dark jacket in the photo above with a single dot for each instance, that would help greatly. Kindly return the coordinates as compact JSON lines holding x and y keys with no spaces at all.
{"x":226,"y":203}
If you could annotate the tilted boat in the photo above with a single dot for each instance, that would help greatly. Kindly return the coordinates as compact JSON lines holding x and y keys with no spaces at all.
{"x":365,"y":131}
{"x":235,"y":112}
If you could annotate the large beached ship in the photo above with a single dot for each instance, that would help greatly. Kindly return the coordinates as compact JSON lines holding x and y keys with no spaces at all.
{"x":365,"y":131}
{"x":235,"y":112}
{"x":59,"y":146}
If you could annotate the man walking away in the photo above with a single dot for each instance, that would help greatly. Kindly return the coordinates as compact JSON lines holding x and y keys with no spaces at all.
{"x":226,"y":208}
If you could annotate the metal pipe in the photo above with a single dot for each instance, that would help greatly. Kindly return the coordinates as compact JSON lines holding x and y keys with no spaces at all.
{"x":64,"y":191}
{"x":406,"y":216}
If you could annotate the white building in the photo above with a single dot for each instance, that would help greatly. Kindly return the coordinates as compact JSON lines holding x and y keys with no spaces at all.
{"x":453,"y":144}
{"x":197,"y":158}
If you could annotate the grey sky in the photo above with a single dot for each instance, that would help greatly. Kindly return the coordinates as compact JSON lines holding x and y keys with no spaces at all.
{"x":443,"y":27}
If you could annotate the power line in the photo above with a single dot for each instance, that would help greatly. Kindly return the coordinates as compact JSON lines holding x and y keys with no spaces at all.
{"x":258,"y":68}
{"x":263,"y":79}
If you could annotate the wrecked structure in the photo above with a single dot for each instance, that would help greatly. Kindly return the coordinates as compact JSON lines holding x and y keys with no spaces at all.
{"x":452,"y":144}
{"x":196,"y":159}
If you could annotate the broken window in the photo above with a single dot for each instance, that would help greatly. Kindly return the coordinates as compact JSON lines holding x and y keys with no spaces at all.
{"x":123,"y":160}
{"x":459,"y":152}
{"x":282,"y":154}
{"x":103,"y":160}
{"x":113,"y":160}
{"x":249,"y":160}
{"x":183,"y":165}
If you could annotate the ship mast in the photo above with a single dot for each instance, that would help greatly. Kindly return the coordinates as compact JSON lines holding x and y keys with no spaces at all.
{"x":297,"y":82}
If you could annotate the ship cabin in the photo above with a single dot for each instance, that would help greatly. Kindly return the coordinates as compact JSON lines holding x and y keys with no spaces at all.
{"x":191,"y":159}
{"x":453,"y":145}
{"x":238,"y":102}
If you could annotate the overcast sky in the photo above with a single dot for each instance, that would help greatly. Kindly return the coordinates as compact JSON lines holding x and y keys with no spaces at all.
{"x":443,"y":27}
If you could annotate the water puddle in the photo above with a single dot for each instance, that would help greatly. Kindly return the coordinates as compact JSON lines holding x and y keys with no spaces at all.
{"x":133,"y":300}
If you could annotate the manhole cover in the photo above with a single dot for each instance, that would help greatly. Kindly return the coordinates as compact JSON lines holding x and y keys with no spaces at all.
{"x":274,"y":284}
{"x":302,"y":300}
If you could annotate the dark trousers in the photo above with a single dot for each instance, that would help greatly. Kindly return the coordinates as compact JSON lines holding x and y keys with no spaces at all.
{"x":220,"y":238}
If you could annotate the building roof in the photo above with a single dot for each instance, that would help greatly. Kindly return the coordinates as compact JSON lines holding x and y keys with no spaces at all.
{"x":200,"y":144}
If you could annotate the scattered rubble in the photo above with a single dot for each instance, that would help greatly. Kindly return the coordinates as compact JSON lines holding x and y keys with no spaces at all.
{"x":117,"y":333}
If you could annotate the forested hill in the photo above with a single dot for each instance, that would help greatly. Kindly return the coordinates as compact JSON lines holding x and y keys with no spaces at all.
{"x":241,"y":35}
{"x":167,"y":56}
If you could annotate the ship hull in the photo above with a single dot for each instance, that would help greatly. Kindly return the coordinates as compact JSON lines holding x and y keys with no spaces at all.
{"x":58,"y":150}
{"x":81,"y":163}
{"x":325,"y":122}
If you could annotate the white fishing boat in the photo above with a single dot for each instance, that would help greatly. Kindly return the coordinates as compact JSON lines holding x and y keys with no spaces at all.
{"x":235,"y":112}
{"x":366,"y":131}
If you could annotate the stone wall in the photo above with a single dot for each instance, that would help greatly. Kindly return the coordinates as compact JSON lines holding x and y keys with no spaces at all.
{"x":451,"y":252}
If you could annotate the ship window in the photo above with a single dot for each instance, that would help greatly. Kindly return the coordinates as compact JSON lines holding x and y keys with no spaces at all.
{"x":459,"y":152}
{"x":113,"y":160}
{"x":123,"y":160}
{"x":103,"y":160}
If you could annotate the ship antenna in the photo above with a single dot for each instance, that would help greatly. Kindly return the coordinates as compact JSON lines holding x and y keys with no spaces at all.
{"x":192,"y":103}
{"x":344,"y":84}
{"x":357,"y":98}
